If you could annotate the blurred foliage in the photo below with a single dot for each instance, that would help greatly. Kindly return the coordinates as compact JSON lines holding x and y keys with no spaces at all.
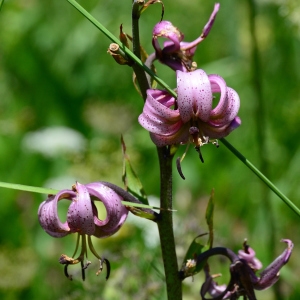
{"x":64,"y":104}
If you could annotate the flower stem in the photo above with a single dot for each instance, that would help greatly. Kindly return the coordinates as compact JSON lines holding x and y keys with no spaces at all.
{"x":165,"y":226}
{"x":262,"y":177}
{"x":165,"y":221}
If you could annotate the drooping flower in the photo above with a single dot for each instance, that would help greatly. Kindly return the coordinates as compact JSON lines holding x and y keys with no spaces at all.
{"x":243,"y":269}
{"x":82,"y":218}
{"x":191,"y":117}
{"x":176,"y":53}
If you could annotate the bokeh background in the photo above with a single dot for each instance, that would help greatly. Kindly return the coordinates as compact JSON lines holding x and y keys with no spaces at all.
{"x":64,"y":104}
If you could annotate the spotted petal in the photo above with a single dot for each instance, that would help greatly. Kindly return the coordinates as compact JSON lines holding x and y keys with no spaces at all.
{"x":217,"y":131}
{"x":116,"y":212}
{"x":229,"y":103}
{"x":157,"y":117}
{"x":80,"y":213}
{"x":194,"y":95}
{"x":48,"y":216}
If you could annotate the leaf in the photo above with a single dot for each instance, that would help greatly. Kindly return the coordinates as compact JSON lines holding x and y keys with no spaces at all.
{"x":143,"y":213}
{"x":209,"y":216}
{"x":132,"y":183}
{"x":189,"y":266}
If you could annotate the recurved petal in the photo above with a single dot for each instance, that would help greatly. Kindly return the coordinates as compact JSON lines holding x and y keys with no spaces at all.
{"x":159,"y":102}
{"x":80,"y":213}
{"x":48,"y":215}
{"x":160,"y":127}
{"x":271,"y":273}
{"x":233,"y":105}
{"x":157,"y":117}
{"x":217,"y":132}
{"x":194,"y":95}
{"x":116,"y":212}
{"x":229,"y":103}
{"x":249,"y":256}
{"x":211,"y":20}
{"x":167,"y":30}
{"x":181,"y":136}
{"x":218,"y":85}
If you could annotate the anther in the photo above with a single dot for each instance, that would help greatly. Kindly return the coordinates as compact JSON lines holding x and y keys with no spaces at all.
{"x":178,"y":165}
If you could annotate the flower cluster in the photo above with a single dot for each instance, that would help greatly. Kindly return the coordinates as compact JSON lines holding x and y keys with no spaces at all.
{"x":82,"y":217}
{"x":192,"y":116}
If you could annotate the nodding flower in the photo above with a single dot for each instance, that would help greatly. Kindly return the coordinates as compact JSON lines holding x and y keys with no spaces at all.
{"x":243,"y":268}
{"x":192,"y":117}
{"x":82,"y":218}
{"x":176,"y":53}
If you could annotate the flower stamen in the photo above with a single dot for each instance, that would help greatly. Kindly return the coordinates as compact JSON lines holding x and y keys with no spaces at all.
{"x":66,"y":260}
{"x":102,"y":261}
{"x":178,"y":165}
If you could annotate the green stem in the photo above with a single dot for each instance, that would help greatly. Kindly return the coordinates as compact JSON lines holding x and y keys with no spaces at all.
{"x":165,"y":226}
{"x":165,"y":222}
{"x":261,"y":176}
{"x":34,"y":189}
{"x":114,"y":39}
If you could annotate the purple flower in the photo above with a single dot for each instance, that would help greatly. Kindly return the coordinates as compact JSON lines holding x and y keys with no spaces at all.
{"x":82,"y":217}
{"x":248,"y":254}
{"x":176,"y":53}
{"x":243,"y":267}
{"x":191,"y":117}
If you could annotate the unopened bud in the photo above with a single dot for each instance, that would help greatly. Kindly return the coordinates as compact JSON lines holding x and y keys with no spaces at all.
{"x":118,"y":54}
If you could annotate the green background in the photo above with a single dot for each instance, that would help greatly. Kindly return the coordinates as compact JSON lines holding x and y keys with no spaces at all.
{"x":56,"y":75}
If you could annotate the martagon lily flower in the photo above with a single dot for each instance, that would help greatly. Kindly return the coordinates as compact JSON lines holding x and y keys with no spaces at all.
{"x":82,"y":218}
{"x":176,"y":53}
{"x":191,"y":117}
{"x":243,"y":270}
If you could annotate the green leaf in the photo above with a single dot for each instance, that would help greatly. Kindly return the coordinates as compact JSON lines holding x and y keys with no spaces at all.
{"x":27,"y":188}
{"x":40,"y":190}
{"x":132,"y":183}
{"x":209,"y":216}
{"x":143,"y":213}
{"x":189,"y":266}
